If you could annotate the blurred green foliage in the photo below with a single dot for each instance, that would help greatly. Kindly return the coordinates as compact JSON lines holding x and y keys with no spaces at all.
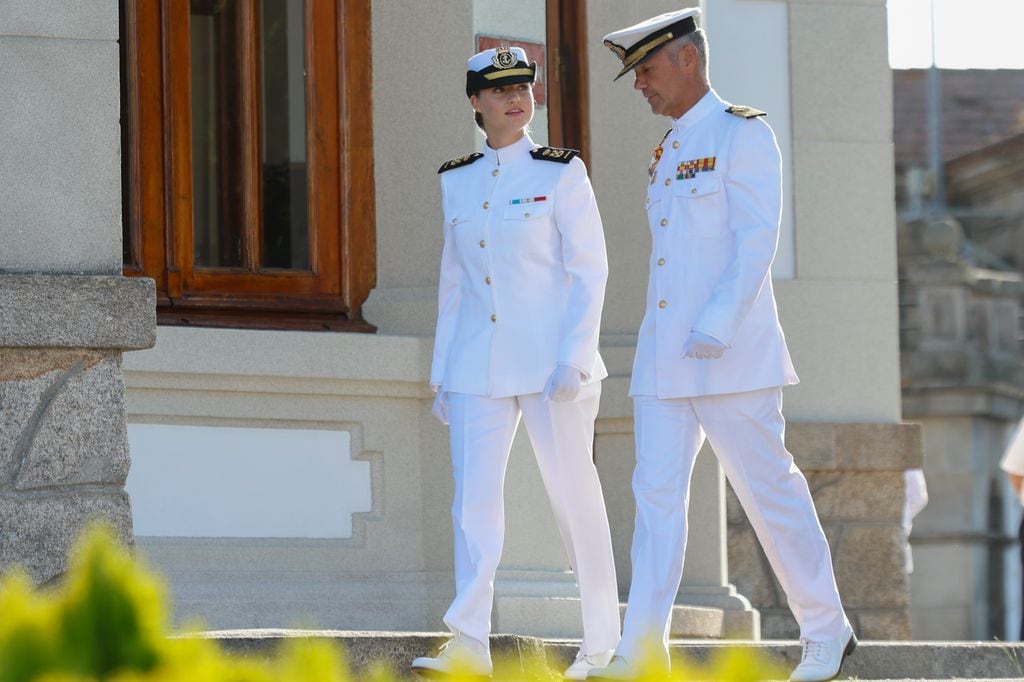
{"x":106,"y":622}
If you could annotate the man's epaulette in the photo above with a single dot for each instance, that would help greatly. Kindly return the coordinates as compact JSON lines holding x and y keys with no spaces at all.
{"x":745,"y":112}
{"x":554,"y":154}
{"x":459,"y":162}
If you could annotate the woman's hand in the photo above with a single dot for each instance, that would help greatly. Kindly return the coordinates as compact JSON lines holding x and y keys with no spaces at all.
{"x":440,"y":407}
{"x":564,"y":384}
{"x":700,"y":346}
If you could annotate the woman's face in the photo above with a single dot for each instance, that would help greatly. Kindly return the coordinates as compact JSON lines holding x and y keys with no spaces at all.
{"x":506,"y":109}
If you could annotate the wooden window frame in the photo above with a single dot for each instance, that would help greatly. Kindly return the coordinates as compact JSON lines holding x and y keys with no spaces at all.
{"x":568,"y":90}
{"x":158,"y":175}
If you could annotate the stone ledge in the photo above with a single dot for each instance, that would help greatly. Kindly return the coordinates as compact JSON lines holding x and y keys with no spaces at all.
{"x":854,"y":446}
{"x":996,"y":401}
{"x":69,"y":311}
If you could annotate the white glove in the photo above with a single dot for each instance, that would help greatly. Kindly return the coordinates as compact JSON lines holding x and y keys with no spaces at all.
{"x":564,"y":384}
{"x":440,"y":407}
{"x":700,"y":346}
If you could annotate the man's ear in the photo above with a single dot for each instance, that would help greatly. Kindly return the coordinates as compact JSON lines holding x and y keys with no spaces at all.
{"x":689,"y":55}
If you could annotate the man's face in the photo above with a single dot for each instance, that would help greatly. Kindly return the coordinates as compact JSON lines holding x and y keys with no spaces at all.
{"x":666,"y":85}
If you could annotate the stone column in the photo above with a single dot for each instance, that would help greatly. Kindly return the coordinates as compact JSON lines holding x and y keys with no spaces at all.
{"x":66,"y":313}
{"x":855,"y":473}
{"x":963,"y":381}
{"x":706,"y":570}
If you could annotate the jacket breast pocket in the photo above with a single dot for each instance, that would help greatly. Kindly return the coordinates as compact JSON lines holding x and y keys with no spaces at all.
{"x":455,"y":222}
{"x":699,"y":207}
{"x":464,"y":234}
{"x":528,"y":212}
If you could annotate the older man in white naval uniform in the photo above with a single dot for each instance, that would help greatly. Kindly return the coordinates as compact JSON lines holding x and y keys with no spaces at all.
{"x":711,"y":358}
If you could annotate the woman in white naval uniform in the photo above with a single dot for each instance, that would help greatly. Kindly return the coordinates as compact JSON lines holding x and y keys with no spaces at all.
{"x":522,"y":283}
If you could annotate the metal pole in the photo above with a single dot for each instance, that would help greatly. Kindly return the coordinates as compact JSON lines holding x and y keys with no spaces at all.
{"x":934,"y":100}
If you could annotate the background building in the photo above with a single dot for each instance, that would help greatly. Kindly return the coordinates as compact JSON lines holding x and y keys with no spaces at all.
{"x":961,"y":240}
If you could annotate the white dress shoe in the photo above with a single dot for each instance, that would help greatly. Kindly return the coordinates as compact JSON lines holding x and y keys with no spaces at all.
{"x":822,"y":660}
{"x":461,"y":655}
{"x":619,"y":668}
{"x":584,"y":664}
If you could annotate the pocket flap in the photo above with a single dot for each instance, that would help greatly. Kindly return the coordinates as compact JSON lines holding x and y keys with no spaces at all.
{"x":697,"y":187}
{"x":529,"y":211}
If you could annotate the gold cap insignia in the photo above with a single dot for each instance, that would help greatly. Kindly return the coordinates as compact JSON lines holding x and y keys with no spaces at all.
{"x":503,"y":58}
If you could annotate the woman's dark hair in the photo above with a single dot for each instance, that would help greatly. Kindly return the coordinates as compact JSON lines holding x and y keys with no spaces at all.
{"x":477,"y":116}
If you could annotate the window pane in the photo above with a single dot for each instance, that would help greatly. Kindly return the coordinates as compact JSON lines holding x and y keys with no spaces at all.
{"x":285,"y":206}
{"x":216,"y":157}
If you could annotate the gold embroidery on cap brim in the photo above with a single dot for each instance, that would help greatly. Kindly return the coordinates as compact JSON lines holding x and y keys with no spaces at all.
{"x":619,"y":51}
{"x":508,"y":72}
{"x":631,"y":61}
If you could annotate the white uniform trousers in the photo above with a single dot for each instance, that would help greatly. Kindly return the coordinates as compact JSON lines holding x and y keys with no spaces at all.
{"x":562,"y":435}
{"x":746,"y":431}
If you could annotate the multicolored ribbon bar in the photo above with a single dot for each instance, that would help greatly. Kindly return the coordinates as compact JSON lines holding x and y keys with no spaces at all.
{"x":688,"y":169}
{"x":527,"y":200}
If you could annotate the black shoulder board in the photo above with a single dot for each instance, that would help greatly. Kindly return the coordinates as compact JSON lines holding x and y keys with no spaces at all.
{"x":459,"y":162}
{"x":745,"y":112}
{"x":554,"y":154}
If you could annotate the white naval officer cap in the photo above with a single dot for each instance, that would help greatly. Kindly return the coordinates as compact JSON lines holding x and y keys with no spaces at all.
{"x":638,"y":42}
{"x":502,"y":65}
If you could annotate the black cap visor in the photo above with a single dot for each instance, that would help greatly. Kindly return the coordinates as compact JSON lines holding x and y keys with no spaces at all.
{"x":649,"y":46}
{"x":492,"y":77}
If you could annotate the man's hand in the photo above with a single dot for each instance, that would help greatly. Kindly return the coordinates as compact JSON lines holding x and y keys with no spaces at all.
{"x":440,"y":407}
{"x":700,"y":346}
{"x":564,"y":384}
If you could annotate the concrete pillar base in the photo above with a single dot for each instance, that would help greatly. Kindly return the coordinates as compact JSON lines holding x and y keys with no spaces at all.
{"x":548,"y":605}
{"x":740,"y":619}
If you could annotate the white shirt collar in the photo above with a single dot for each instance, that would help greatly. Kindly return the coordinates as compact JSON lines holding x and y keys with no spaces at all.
{"x":520,"y":149}
{"x":704,"y":106}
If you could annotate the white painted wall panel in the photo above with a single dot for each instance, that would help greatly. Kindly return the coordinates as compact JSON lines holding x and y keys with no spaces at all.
{"x":213,"y":481}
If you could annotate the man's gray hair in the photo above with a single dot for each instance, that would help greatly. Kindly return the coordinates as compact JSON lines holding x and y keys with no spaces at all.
{"x":699,"y":40}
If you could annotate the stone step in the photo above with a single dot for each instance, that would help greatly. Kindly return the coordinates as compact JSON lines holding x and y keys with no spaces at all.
{"x":871,"y":661}
{"x":552,"y":618}
{"x":694,"y":622}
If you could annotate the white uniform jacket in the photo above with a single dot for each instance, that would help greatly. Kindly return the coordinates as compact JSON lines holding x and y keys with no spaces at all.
{"x":714,"y":201}
{"x":523,"y":274}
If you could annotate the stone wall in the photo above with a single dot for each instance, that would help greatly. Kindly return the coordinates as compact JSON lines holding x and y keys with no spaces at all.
{"x":855,"y":472}
{"x":66,"y":313}
{"x":63,"y":443}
